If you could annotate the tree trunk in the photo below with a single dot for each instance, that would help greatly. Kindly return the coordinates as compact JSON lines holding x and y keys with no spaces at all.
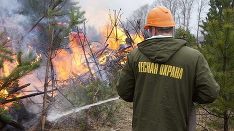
{"x":85,"y":55}
{"x":46,"y":82}
{"x":199,"y":18}
{"x":226,"y":121}
{"x":44,"y":108}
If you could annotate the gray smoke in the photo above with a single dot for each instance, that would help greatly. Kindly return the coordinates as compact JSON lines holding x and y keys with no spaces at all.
{"x":12,"y":22}
{"x":16,"y":26}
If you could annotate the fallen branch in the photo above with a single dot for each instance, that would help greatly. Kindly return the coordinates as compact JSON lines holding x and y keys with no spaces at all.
{"x":210,"y":113}
{"x":4,"y":101}
{"x":16,"y":89}
{"x":103,"y":50}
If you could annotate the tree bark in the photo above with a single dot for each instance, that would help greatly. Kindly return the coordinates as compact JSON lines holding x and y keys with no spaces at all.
{"x":199,"y":18}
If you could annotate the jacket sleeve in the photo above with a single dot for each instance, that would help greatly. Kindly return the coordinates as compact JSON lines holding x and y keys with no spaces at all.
{"x":126,"y":82}
{"x":206,"y":88}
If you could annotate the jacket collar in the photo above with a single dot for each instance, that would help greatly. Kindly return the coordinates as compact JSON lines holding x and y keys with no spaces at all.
{"x":159,"y":36}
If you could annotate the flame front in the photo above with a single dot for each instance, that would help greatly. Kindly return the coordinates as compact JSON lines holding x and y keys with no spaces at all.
{"x":117,"y":37}
{"x":70,"y":62}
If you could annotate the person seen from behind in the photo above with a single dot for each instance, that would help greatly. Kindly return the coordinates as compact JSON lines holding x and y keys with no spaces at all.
{"x":163,"y":78}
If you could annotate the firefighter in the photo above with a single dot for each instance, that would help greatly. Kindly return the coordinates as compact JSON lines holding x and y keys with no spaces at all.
{"x":163,"y":78}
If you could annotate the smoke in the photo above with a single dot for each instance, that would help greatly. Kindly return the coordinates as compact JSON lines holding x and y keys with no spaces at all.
{"x":9,"y":17}
{"x":93,"y":34}
{"x":11,"y":21}
{"x":16,"y":26}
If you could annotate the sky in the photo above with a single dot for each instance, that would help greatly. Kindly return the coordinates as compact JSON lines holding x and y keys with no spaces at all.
{"x":97,"y":10}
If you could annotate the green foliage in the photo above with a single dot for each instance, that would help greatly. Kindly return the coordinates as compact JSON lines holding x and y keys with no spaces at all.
{"x":98,"y":90}
{"x":5,"y":53}
{"x":4,"y":116}
{"x":219,"y":51}
{"x":93,"y":92}
{"x":76,"y":17}
{"x":90,"y":93}
{"x":181,"y":33}
{"x":104,"y":114}
{"x":22,"y":68}
{"x":56,"y":19}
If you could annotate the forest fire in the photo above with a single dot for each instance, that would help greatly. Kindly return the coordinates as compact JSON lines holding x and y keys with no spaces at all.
{"x":80,"y":60}
{"x":61,"y":61}
{"x":11,"y":90}
{"x":70,"y":62}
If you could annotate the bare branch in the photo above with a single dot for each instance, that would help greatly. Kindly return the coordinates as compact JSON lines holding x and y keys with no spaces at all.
{"x":210,"y":112}
{"x":22,"y":97}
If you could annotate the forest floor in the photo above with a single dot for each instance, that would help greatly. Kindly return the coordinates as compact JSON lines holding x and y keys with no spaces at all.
{"x":123,"y":119}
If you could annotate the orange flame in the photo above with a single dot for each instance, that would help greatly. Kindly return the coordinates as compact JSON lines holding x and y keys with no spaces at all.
{"x":118,"y":37}
{"x":7,"y":68}
{"x":3,"y":93}
{"x":70,"y":62}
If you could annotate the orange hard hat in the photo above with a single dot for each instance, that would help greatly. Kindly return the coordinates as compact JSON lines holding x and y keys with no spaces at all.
{"x":159,"y":17}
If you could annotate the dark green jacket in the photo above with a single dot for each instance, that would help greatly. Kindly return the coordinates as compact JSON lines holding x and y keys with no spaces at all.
{"x":163,"y":77}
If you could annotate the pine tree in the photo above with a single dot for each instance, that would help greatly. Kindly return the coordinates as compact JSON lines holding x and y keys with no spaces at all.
{"x":219,"y":50}
{"x":9,"y":86}
{"x":56,"y":18}
{"x":58,"y":15}
{"x":181,"y":33}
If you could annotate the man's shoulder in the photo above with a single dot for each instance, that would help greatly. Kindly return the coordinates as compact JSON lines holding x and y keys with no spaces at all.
{"x":134,"y":52}
{"x":187,"y":55}
{"x":189,"y":51}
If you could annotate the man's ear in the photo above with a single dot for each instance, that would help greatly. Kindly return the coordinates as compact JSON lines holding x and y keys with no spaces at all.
{"x":146,"y":34}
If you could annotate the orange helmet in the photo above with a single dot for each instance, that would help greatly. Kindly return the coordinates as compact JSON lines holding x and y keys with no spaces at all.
{"x":159,"y":17}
